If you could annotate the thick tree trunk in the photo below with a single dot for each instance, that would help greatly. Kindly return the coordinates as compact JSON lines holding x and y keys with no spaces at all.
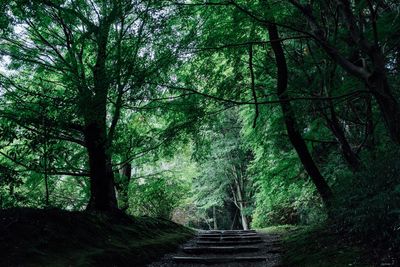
{"x":388,"y":104}
{"x":97,"y":141}
{"x":293,"y":133}
{"x":102,"y":190}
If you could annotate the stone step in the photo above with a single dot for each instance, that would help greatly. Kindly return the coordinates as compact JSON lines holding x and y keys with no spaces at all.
{"x":228,"y":243}
{"x":216,"y":235}
{"x":228,"y":238}
{"x":227,"y":231}
{"x":226,"y":234}
{"x":216,"y":260}
{"x":220,"y":249}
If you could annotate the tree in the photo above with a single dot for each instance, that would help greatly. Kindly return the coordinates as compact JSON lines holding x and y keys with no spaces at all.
{"x":294,"y":135}
{"x":368,"y":62}
{"x":223,"y":160}
{"x":248,"y":34}
{"x":92,"y":57}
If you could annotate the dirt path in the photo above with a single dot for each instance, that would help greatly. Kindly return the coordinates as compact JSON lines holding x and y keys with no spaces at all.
{"x":226,"y":248}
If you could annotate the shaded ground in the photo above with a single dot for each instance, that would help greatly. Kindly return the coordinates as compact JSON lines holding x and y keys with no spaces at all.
{"x":319,"y":246}
{"x":232,"y":249}
{"x":32,"y":237}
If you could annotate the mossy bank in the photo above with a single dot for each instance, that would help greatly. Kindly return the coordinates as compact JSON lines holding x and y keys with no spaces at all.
{"x":34,"y":237}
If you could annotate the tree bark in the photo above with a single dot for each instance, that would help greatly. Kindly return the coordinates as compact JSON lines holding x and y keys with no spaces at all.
{"x":294,"y":135}
{"x":240,"y":200}
{"x":215,"y":218}
{"x":102,"y":192}
{"x":348,"y":153}
{"x":388,"y":104}
{"x":97,"y":141}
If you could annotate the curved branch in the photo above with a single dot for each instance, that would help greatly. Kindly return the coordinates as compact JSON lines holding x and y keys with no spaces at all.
{"x":237,"y":102}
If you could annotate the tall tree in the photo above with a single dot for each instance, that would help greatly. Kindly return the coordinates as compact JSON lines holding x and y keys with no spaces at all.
{"x":290,"y":121}
{"x":93,"y":56}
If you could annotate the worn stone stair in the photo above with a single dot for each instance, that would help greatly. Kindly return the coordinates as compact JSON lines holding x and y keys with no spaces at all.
{"x":220,"y":249}
{"x":228,"y":243}
{"x":217,"y":260}
{"x":228,"y":238}
{"x":228,"y":231}
{"x":227,"y":234}
{"x":224,"y":248}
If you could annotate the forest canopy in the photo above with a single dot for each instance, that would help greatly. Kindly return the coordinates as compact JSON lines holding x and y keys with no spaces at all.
{"x":224,"y":114}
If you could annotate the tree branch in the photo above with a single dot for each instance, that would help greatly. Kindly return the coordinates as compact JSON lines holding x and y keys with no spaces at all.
{"x":253,"y":89}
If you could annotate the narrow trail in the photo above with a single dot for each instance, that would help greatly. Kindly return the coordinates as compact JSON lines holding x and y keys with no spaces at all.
{"x":226,"y":248}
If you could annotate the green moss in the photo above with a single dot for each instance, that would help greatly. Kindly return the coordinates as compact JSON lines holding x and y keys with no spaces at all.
{"x":278,"y":229}
{"x":31,"y":237}
{"x":319,"y":247}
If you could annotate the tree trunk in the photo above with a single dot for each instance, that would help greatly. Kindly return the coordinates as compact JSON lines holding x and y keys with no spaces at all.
{"x":369,"y":127}
{"x":97,"y":141}
{"x":293,"y":133}
{"x":240,"y":204}
{"x":102,"y":190}
{"x":388,"y":104}
{"x":215,"y":218}
{"x":123,"y":186}
{"x":245,"y":223}
{"x":377,"y":79}
{"x":349,"y":155}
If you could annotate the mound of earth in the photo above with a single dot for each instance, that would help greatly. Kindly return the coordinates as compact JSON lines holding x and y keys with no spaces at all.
{"x":53,"y":237}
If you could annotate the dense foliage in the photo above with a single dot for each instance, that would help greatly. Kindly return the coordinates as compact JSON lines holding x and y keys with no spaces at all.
{"x":219,"y":114}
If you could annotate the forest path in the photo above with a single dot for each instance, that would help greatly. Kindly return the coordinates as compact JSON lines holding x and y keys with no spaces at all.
{"x":227,"y":248}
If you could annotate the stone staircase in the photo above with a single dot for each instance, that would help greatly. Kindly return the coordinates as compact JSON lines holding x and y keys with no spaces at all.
{"x":229,"y":248}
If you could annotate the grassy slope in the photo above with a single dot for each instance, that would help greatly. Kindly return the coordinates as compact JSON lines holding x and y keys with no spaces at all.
{"x":317,"y":247}
{"x":31,"y":237}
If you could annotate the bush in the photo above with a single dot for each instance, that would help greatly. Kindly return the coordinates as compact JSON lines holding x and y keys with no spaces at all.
{"x":369,"y":206}
{"x":156,"y":197}
{"x":296,"y":203}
